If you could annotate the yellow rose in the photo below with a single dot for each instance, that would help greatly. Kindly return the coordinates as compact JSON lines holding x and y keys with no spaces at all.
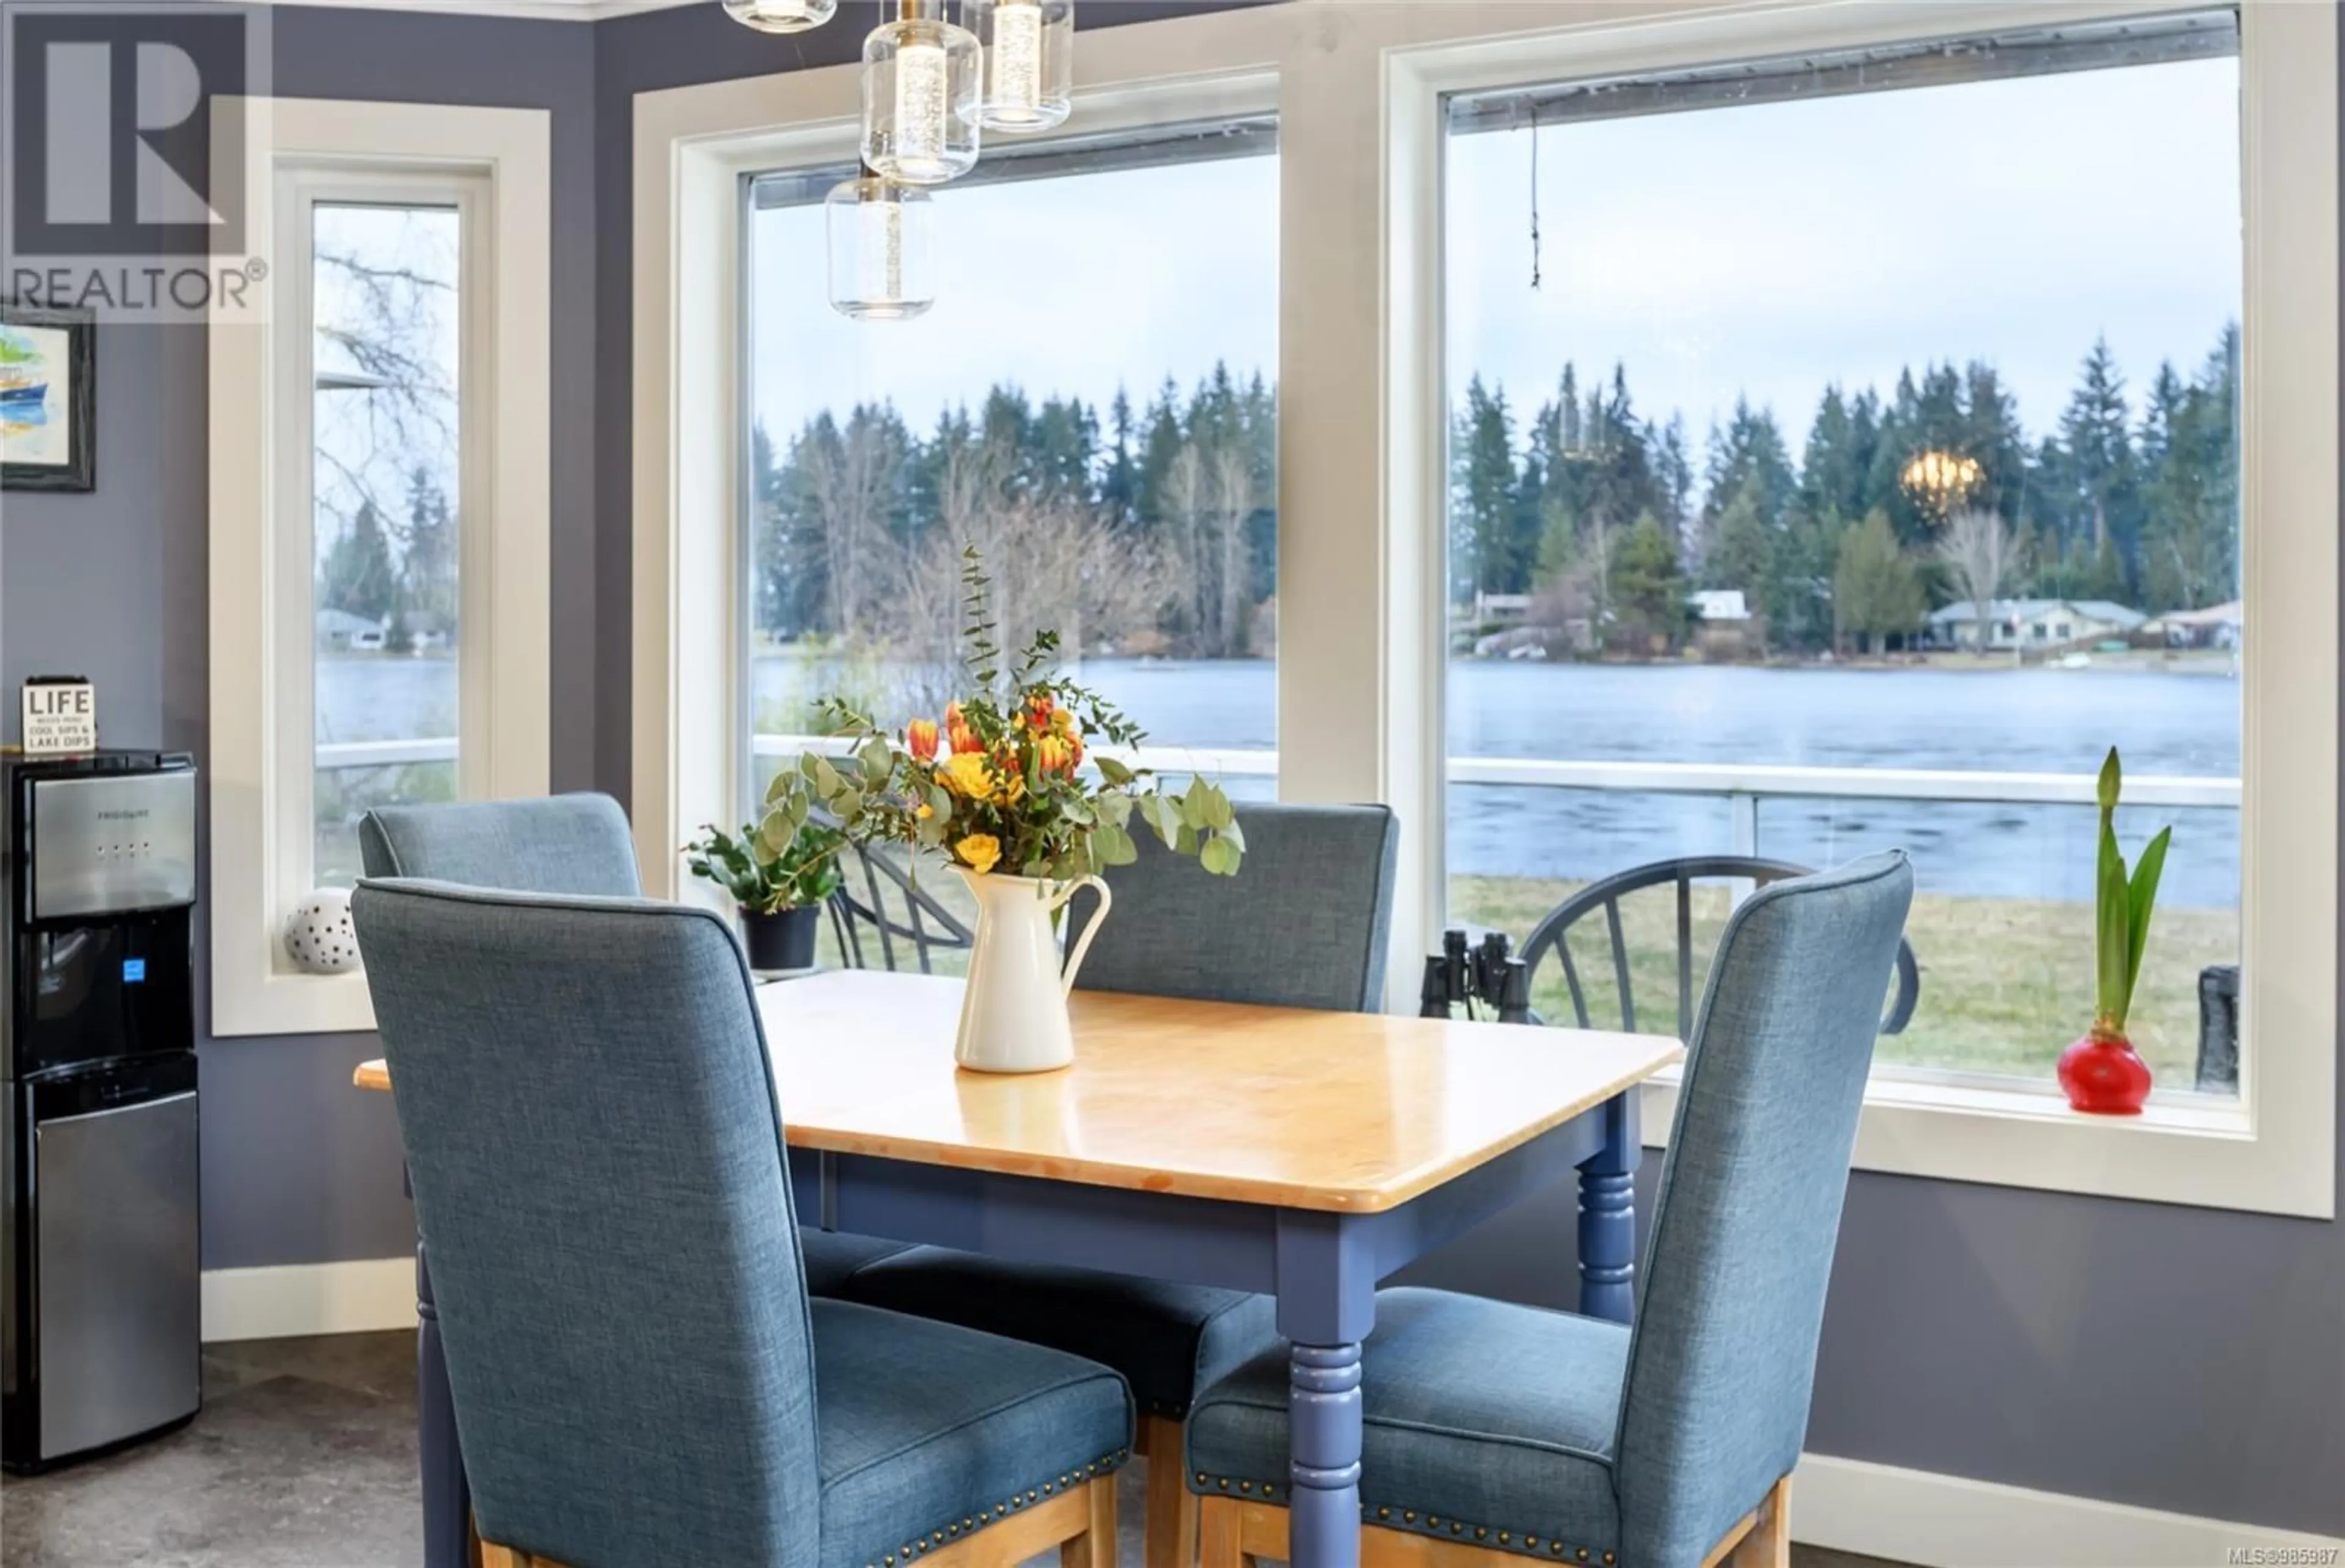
{"x":966,"y":773}
{"x":978,"y":852}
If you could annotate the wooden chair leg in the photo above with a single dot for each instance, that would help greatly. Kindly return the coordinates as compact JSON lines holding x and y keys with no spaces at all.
{"x":1171,"y":1513}
{"x":1769,"y":1544}
{"x":1095,"y":1547}
{"x":495,"y":1557}
{"x":1218,"y":1545}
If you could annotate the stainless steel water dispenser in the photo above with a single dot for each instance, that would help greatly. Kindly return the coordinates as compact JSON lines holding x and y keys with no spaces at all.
{"x":100,"y":1323}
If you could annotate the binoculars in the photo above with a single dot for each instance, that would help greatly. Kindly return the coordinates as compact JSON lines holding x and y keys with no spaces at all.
{"x":1484,"y":976}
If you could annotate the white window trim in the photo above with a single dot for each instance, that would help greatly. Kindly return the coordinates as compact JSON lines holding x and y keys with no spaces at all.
{"x":498,"y":163}
{"x":1361,"y":618}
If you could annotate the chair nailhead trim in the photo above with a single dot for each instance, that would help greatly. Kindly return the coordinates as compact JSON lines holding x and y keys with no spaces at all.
{"x":1270,"y":1492}
{"x":1106,"y":1464}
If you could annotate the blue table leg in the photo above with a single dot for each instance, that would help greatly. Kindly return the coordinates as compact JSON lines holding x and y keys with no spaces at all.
{"x":447,"y":1498}
{"x":1607,"y":1214}
{"x":1326,"y":1305}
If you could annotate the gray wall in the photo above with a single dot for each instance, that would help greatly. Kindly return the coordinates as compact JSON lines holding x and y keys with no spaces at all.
{"x":2176,"y":1359}
{"x":297,"y":1167}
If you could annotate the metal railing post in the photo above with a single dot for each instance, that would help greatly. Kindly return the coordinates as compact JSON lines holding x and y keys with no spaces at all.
{"x":1742,"y":815}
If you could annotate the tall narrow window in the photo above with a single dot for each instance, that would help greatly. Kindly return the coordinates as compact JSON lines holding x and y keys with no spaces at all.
{"x":1092,"y":403}
{"x":1845,"y":453}
{"x":387,"y":349}
{"x":380,"y":463}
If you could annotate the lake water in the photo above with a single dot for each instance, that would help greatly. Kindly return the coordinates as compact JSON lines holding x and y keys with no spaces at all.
{"x":2031,"y":721}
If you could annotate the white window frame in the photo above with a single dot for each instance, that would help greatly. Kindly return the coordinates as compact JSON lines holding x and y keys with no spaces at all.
{"x":1361,"y":543}
{"x":494,"y":167}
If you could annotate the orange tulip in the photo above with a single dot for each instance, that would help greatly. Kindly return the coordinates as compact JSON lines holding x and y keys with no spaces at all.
{"x":1038,"y":712}
{"x":1055,"y":755}
{"x":920,"y":735}
{"x":957,"y":730}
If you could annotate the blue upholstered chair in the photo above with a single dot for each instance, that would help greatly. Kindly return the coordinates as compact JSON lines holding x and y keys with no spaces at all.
{"x":1303,"y":925}
{"x":1518,"y":1432}
{"x":640,"y":1377}
{"x":577,"y":843}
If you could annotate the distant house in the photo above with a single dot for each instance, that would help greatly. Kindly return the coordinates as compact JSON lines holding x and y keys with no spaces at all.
{"x":1724,"y":624}
{"x":2217,"y":626}
{"x":342,"y":632}
{"x":1500,"y":609}
{"x":2031,"y":623}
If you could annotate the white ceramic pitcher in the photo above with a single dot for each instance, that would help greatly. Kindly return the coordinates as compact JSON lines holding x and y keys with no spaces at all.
{"x":1013,"y":1017}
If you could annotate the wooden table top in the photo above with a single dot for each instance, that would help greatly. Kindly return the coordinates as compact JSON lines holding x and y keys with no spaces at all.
{"x":1341,"y":1111}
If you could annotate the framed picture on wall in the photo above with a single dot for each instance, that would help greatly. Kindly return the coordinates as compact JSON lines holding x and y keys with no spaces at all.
{"x":49,"y":398}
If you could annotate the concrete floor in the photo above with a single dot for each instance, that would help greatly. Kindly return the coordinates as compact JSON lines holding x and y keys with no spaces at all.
{"x":304,"y":1457}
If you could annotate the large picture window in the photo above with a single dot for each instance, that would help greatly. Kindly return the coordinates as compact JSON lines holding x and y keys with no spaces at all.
{"x":1091,"y":404}
{"x":1898,"y":421}
{"x":1845,"y":454}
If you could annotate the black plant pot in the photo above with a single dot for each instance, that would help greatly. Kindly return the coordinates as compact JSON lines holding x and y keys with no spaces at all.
{"x":781,"y":940}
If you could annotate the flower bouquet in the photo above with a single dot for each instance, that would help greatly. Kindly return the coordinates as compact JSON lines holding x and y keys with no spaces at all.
{"x":1000,"y":787}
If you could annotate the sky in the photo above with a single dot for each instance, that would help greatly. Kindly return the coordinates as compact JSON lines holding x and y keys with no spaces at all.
{"x":1767,"y":250}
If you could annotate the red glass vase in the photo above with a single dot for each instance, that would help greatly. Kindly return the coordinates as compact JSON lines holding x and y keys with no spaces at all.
{"x":2102,"y":1076}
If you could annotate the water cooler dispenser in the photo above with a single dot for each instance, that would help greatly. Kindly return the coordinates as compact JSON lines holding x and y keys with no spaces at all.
{"x":100,"y":1323}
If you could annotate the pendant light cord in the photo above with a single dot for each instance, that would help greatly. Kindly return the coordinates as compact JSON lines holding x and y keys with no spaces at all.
{"x":1535,"y":200}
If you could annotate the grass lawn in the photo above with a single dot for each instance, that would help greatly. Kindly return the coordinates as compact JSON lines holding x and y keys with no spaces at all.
{"x":2006,"y":983}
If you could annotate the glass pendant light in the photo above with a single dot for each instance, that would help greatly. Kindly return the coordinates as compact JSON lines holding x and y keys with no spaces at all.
{"x":880,"y":252}
{"x":781,"y":16}
{"x":1029,"y":61}
{"x":920,"y":91}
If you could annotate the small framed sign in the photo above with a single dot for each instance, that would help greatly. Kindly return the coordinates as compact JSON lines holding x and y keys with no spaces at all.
{"x":60,"y":715}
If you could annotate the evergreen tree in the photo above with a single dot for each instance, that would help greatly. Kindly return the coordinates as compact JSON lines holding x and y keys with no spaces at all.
{"x":2189,"y":457}
{"x":1876,"y":593}
{"x":1485,"y":546}
{"x":427,"y":588}
{"x":1742,"y":545}
{"x":1749,"y":453}
{"x":1839,"y":456}
{"x":2096,"y":477}
{"x":357,"y":576}
{"x":1648,"y":602}
{"x":1120,"y":481}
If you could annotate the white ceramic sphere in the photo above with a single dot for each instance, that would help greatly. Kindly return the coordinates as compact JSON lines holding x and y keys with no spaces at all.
{"x":319,"y":937}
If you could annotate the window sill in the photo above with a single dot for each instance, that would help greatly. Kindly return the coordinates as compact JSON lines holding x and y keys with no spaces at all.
{"x":2183,"y":1149}
{"x":292,"y":1003}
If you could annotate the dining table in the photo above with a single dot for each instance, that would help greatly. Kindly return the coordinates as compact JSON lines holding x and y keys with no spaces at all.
{"x":1300,"y":1154}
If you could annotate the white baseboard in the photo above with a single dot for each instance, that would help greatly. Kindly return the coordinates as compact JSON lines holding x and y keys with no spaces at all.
{"x":278,"y":1303}
{"x":1948,"y":1521}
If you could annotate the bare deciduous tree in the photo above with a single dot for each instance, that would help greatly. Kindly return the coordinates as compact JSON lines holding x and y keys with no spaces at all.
{"x":1234,"y":492}
{"x":1976,"y":548}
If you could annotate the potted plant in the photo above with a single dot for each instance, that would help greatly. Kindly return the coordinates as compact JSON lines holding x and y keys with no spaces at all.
{"x":2101,"y":1073}
{"x":778,"y":880}
{"x":999,"y":786}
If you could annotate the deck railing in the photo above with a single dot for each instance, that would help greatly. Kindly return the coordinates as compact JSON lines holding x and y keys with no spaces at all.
{"x":1744,"y":787}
